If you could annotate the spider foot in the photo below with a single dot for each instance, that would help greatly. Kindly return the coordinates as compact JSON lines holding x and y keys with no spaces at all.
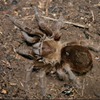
{"x":43,"y":26}
{"x":28,"y":71}
{"x":42,"y":79}
{"x":24,"y":27}
{"x":18,"y":23}
{"x":72,"y":77}
{"x":29,"y":39}
{"x":57,"y":33}
{"x":89,"y":44}
{"x":26,"y":53}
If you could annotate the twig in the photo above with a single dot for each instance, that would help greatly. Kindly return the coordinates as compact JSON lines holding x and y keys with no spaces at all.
{"x":67,"y":22}
{"x":92,"y":14}
{"x":53,"y":9}
{"x":48,"y":1}
{"x":6,"y":81}
{"x":86,"y":34}
{"x":83,"y":87}
{"x":95,"y":5}
{"x":7,"y":63}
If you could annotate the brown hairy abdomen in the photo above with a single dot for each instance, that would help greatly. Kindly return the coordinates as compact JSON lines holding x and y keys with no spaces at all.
{"x":78,"y":57}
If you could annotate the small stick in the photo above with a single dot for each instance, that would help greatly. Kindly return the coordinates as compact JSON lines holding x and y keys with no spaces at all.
{"x":28,"y":71}
{"x":67,"y":22}
{"x":86,"y":34}
{"x":7,"y":63}
{"x":48,"y":1}
{"x":83,"y":87}
{"x":92,"y":14}
{"x":95,"y":5}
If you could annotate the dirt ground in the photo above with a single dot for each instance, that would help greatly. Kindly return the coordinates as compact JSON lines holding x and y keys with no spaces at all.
{"x":12,"y":65}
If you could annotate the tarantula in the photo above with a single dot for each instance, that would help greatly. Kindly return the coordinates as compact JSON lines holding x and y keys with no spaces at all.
{"x":48,"y":51}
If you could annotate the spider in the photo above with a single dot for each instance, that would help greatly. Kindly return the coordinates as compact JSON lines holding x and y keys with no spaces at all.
{"x":48,"y":52}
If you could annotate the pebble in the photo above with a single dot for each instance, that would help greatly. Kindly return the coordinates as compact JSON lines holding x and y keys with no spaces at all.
{"x":36,"y":83}
{"x":52,"y":72}
{"x":49,"y":95}
{"x":14,"y":2}
{"x":1,"y":9}
{"x":97,"y":94}
{"x":54,"y":15}
{"x":67,"y":92}
{"x":70,"y":4}
{"x":68,"y":86}
{"x":97,"y":57}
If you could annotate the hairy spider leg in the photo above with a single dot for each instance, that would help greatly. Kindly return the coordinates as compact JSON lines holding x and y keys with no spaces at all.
{"x":72,"y":76}
{"x":24,"y":27}
{"x":88,"y":44}
{"x":29,"y":39}
{"x":42,"y":78}
{"x":57,"y":33}
{"x":42,"y":24}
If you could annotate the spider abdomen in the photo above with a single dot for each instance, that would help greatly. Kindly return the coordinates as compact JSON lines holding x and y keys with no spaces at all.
{"x":78,"y":57}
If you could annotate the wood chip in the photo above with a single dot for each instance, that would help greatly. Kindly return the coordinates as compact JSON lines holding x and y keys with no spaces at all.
{"x":11,"y":83}
{"x":0,"y":32}
{"x":66,"y":22}
{"x":47,"y":4}
{"x":3,"y":91}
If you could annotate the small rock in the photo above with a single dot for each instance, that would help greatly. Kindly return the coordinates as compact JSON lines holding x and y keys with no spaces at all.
{"x":52,"y":72}
{"x":14,"y":2}
{"x":68,"y":86}
{"x":97,"y":57}
{"x":67,"y":92}
{"x":36,"y":83}
{"x":70,"y":4}
{"x":97,"y":94}
{"x":49,"y":95}
{"x":54,"y":15}
{"x":90,"y":19}
{"x":1,"y":8}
